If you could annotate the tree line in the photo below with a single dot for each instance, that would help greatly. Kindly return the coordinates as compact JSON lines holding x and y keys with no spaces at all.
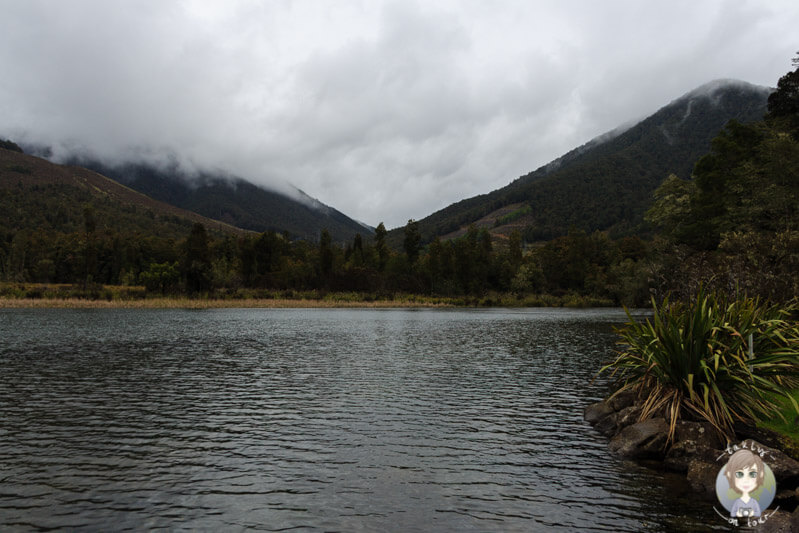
{"x":473,"y":265}
{"x":734,"y":226}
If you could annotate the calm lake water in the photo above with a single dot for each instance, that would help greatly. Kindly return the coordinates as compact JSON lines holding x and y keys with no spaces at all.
{"x":317,"y":419}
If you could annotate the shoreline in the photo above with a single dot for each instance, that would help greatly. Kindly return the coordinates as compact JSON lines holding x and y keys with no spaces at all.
{"x":696,"y":452}
{"x":189,"y":303}
{"x":39,"y":295}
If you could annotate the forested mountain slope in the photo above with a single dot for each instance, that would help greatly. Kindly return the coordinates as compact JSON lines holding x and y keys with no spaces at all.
{"x":606,"y":184}
{"x":234,"y":201}
{"x":44,"y":197}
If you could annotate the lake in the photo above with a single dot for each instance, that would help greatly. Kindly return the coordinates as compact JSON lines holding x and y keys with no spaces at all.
{"x":318,"y":419}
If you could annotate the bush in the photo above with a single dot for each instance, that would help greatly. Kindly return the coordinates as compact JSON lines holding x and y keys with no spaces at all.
{"x":692,"y":360}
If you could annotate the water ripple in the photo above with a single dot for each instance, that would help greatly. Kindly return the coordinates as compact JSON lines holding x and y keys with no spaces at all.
{"x":281,"y":420}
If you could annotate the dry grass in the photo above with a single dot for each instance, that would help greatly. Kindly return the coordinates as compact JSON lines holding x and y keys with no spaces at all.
{"x":187,"y":303}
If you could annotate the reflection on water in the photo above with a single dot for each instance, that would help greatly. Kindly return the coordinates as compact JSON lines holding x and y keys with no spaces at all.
{"x":350,"y":420}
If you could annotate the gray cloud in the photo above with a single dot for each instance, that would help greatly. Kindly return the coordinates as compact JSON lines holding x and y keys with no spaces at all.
{"x":384,"y":110}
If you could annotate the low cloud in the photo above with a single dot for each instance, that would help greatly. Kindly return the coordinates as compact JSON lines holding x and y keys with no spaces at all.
{"x":384,"y":110}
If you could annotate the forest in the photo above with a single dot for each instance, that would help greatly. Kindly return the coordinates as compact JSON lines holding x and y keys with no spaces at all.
{"x":732,"y":226}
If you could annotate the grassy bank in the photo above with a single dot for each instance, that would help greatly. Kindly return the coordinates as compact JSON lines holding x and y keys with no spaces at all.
{"x":789,"y":427}
{"x":29,"y":295}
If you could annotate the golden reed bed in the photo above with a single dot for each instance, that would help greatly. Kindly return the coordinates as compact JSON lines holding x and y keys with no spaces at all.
{"x":187,"y":303}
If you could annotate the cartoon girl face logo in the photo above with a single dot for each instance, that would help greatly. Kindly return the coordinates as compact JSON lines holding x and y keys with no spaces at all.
{"x":745,"y":486}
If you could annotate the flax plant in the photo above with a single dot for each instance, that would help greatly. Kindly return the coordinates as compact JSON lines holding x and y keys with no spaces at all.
{"x":694,"y":361}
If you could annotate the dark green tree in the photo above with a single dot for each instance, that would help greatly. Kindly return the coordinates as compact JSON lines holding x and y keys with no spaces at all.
{"x":381,"y":248}
{"x":161,"y":277}
{"x":357,"y":249}
{"x":783,"y":104}
{"x":412,"y":242}
{"x":515,"y":252}
{"x":197,"y":260}
{"x":90,"y":251}
{"x":326,"y":254}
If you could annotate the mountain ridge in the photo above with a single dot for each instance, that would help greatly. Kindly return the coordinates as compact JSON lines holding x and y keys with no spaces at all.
{"x":217,"y":194}
{"x":606,"y":184}
{"x":233,"y":200}
{"x":34,"y":179}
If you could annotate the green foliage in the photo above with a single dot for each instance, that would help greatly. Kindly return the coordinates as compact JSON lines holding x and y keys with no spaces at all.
{"x":735,"y":224}
{"x":672,"y":206}
{"x":232,"y":200}
{"x":381,"y":248}
{"x":161,"y":277}
{"x":691,"y":360}
{"x":783,"y":104}
{"x":9,"y":145}
{"x":326,"y":254}
{"x":608,"y":185}
{"x":197,"y":260}
{"x":514,"y":215}
{"x":412,"y":240}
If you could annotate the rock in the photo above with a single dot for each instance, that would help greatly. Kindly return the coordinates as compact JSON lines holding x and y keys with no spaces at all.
{"x":702,"y":434}
{"x":745,"y":430}
{"x":692,"y":440}
{"x":681,"y":453}
{"x":679,"y":456}
{"x":702,"y":476}
{"x":777,"y":522}
{"x":785,"y":497}
{"x":786,"y":469}
{"x":644,"y":439}
{"x":795,"y":520}
{"x":616,"y":421}
{"x":622,"y":400}
{"x":597,"y":411}
{"x":628,"y":416}
{"x":608,"y":425}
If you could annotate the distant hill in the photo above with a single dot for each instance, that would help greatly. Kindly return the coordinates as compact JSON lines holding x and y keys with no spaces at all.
{"x":44,"y":197}
{"x":234,"y":201}
{"x":606,"y":184}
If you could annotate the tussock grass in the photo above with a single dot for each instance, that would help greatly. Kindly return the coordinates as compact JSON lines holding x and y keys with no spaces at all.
{"x":189,"y":303}
{"x":693,"y":361}
{"x":30,"y":295}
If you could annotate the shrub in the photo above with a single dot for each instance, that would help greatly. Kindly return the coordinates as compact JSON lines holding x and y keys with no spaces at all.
{"x":693,"y":360}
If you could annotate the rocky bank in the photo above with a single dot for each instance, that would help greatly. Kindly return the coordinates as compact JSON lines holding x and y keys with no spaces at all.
{"x":698,"y":452}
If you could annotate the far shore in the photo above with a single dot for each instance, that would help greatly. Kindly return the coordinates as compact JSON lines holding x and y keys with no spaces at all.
{"x":35,"y":295}
{"x":189,"y":303}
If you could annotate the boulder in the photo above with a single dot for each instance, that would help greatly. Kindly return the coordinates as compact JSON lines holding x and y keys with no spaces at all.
{"x":768,"y":437}
{"x":614,"y":422}
{"x":785,"y":468}
{"x":786,"y":499}
{"x":692,"y":440}
{"x":641,"y":440}
{"x":701,"y":476}
{"x":621,"y":400}
{"x":777,"y":522}
{"x":597,"y":411}
{"x":747,"y":430}
{"x":680,"y":454}
{"x":628,"y":416}
{"x":702,"y":434}
{"x":608,"y":425}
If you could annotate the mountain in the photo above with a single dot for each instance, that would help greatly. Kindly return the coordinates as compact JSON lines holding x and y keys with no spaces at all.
{"x":606,"y":184}
{"x":234,"y":200}
{"x":44,"y":197}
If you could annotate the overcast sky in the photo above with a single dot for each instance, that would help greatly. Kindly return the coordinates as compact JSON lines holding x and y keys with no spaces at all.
{"x":385,"y":110}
